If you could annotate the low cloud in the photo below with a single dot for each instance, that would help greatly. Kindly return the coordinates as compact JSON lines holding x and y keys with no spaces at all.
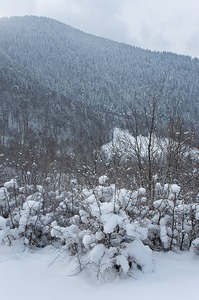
{"x":164,"y":25}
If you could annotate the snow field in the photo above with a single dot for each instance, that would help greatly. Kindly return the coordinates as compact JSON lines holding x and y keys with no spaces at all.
{"x":35,"y":275}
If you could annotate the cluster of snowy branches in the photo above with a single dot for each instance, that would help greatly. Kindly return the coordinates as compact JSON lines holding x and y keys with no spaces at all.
{"x":109,"y":230}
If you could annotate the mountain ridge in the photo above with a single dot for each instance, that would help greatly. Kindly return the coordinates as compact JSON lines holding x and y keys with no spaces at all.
{"x":97,"y":73}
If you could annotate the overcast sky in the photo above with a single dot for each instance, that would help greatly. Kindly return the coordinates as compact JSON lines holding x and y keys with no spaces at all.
{"x":165,"y":25}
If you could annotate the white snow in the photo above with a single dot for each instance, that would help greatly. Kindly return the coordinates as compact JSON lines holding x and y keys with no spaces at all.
{"x":197,"y":212}
{"x":87,"y":239}
{"x":136,"y":231}
{"x":103,"y":179}
{"x":11,"y":184}
{"x":97,"y":252}
{"x":163,"y":236}
{"x":142,"y":255}
{"x":32,"y":275}
{"x":195,"y":246}
{"x":126,"y":145}
{"x":110,"y":222}
{"x":3,"y":193}
{"x":31,"y":205}
{"x":141,"y":191}
{"x":175,"y":188}
{"x":123,"y":262}
{"x":2,"y":223}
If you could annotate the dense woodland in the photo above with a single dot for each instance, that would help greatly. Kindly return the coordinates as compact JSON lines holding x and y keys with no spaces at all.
{"x":99,"y":145}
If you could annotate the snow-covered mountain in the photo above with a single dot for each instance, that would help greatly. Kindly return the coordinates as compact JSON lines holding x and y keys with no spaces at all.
{"x":60,"y":80}
{"x":98,"y":71}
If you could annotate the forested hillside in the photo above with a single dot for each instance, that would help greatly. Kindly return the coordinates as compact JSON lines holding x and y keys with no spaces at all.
{"x":66,"y":90}
{"x":105,"y":74}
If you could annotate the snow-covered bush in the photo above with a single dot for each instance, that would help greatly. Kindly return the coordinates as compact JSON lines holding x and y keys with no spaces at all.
{"x":24,"y":215}
{"x":103,"y":236}
{"x":104,"y":228}
{"x":195,"y":246}
{"x":8,"y":198}
{"x":33,"y":223}
{"x":172,"y":220}
{"x":9,"y":211}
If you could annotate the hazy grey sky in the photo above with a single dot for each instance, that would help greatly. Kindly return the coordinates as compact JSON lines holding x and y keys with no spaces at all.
{"x":165,"y":25}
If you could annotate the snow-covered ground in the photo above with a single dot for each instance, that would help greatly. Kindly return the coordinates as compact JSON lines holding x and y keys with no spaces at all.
{"x":32,"y":275}
{"x":126,"y":145}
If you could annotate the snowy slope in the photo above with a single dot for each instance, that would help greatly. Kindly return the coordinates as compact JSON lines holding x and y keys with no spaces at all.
{"x":31,"y":275}
{"x":126,"y":146}
{"x":95,"y":70}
